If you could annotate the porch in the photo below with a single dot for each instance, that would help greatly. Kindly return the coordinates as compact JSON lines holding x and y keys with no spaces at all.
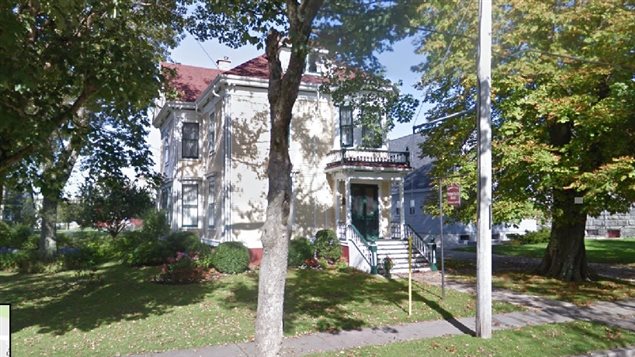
{"x":368,"y":225}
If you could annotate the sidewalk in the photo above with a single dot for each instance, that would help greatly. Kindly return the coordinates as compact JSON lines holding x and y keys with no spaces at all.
{"x":620,"y":314}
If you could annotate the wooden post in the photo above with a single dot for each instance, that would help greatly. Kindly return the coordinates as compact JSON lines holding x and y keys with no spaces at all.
{"x":484,"y":232}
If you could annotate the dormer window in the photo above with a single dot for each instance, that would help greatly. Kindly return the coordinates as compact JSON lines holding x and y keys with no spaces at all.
{"x":346,"y":126}
{"x":313,"y":63}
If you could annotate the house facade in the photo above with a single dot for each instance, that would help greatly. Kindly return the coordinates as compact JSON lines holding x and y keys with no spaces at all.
{"x":215,"y":142}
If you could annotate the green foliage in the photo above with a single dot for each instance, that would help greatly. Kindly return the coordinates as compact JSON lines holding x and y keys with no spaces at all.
{"x":155,"y":223}
{"x":138,"y":249}
{"x":185,"y":242}
{"x":563,"y":103}
{"x":300,"y":249}
{"x":327,"y":245}
{"x":181,"y":270}
{"x":111,"y":201}
{"x":73,"y":38}
{"x":15,"y":236}
{"x":539,"y":236}
{"x":231,"y":257}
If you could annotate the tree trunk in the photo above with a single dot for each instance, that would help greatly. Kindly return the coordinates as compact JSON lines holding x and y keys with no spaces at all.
{"x":282,"y":94}
{"x":47,"y":245}
{"x":565,"y":257}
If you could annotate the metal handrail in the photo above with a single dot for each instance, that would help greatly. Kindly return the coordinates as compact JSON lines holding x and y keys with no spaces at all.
{"x":368,"y":250}
{"x":427,"y":248}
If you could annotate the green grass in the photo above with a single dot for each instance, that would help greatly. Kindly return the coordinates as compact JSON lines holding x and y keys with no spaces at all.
{"x":122,"y":312}
{"x":617,"y":251}
{"x":540,"y":341}
{"x":579,"y":293}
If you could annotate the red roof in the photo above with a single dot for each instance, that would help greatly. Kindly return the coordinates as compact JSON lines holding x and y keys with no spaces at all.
{"x":259,"y":68}
{"x":189,"y":81}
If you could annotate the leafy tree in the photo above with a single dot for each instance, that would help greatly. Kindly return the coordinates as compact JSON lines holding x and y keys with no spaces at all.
{"x":300,"y":24}
{"x":111,"y":202}
{"x":65,"y":63}
{"x":563,"y":112}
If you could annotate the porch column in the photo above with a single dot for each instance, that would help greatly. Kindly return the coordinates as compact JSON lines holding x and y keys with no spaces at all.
{"x":347,"y":197}
{"x":402,"y":213}
{"x":337,"y":201}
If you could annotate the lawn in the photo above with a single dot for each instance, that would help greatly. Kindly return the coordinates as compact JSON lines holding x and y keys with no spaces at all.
{"x":579,"y":293}
{"x":617,"y":251}
{"x":540,"y":341}
{"x":120,"y":311}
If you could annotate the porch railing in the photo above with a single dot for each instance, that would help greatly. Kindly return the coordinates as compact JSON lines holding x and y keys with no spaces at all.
{"x":368,"y":250}
{"x":368,"y":156}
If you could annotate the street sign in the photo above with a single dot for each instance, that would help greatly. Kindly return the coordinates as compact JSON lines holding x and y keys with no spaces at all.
{"x":454,"y":195}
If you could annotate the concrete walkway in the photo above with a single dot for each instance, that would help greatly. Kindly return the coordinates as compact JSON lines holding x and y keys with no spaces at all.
{"x":620,"y":314}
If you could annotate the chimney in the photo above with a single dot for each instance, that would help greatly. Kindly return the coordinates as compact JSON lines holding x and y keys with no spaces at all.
{"x":223,"y":63}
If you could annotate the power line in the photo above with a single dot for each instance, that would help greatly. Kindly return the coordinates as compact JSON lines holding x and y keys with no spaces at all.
{"x":202,"y":48}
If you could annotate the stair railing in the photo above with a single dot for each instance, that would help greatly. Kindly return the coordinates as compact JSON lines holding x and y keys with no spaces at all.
{"x":426,"y":247}
{"x":368,"y":250}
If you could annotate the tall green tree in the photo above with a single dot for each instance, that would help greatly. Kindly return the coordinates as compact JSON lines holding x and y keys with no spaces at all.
{"x":563,"y":112}
{"x":109,"y":203}
{"x":62,"y":62}
{"x":299,"y":24}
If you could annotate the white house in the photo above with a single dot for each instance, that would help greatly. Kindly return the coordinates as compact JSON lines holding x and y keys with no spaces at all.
{"x":215,"y":139}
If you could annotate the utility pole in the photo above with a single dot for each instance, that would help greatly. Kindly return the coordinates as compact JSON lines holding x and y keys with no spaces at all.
{"x":484,"y":233}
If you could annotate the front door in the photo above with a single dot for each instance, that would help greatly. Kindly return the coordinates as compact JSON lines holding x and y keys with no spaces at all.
{"x":365,"y":210}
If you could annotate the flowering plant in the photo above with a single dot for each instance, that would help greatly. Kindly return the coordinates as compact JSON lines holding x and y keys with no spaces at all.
{"x":181,"y":269}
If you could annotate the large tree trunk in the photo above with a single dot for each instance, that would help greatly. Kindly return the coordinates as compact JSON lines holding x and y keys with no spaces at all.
{"x":565,"y":257}
{"x":55,"y":174}
{"x":47,"y":245}
{"x":282,"y":93}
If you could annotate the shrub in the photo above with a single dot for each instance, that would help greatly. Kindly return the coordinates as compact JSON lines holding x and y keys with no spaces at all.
{"x":540,"y":236}
{"x":28,"y":262}
{"x":137,"y":249}
{"x":14,"y":236}
{"x":155,"y":224}
{"x":327,"y":245}
{"x":78,"y":258}
{"x":231,"y":257}
{"x":300,"y":249}
{"x":181,"y":270}
{"x":184,"y":242}
{"x":8,"y":260}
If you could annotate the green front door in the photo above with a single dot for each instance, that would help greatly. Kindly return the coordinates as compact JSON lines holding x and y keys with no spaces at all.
{"x":365,"y":210}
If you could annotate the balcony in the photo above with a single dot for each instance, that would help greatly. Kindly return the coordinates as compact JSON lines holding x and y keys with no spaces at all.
{"x":368,"y":158}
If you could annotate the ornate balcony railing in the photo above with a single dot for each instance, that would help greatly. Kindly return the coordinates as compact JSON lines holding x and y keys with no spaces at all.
{"x":368,"y":157}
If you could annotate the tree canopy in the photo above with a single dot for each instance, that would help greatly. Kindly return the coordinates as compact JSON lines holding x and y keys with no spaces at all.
{"x":563,"y":112}
{"x":64,"y":56}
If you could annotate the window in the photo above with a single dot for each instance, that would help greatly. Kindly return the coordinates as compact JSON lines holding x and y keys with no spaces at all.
{"x":412,"y":206}
{"x":346,"y":126}
{"x":211,"y":195}
{"x":190,"y":140}
{"x":166,"y":202}
{"x":166,"y":151}
{"x":312,"y":63}
{"x":211,"y":133}
{"x":190,"y":205}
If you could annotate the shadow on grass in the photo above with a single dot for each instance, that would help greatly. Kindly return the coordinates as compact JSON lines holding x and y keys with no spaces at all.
{"x":524,"y":280}
{"x":330,"y":301}
{"x":59,"y":303}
